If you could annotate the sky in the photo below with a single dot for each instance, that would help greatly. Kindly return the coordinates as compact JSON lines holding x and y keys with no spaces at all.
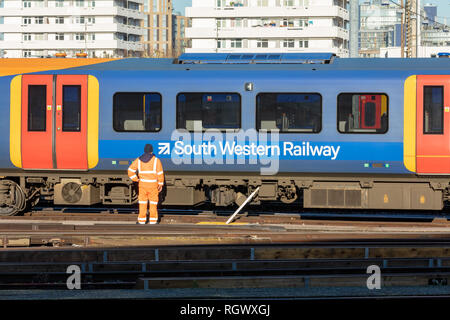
{"x":443,"y":6}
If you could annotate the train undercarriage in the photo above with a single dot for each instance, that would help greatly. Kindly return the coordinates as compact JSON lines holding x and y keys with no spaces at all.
{"x":19,"y":191}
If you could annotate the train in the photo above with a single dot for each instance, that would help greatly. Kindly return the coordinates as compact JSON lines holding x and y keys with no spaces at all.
{"x":307,"y":129}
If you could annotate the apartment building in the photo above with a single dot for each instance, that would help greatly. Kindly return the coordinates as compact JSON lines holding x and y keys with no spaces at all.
{"x":44,"y":28}
{"x":164,"y":29}
{"x":269,"y":26}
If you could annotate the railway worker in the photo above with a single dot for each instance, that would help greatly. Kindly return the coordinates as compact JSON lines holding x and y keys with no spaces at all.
{"x":148,"y":171}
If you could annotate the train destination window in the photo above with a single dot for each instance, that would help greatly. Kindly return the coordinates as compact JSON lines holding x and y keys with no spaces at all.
{"x":289,"y":112}
{"x":433,"y":110}
{"x":37,"y":98}
{"x":201,"y":111}
{"x":71,"y":111}
{"x":362,"y":113}
{"x":137,"y":112}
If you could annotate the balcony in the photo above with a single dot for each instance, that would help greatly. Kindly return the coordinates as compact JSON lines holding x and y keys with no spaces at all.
{"x":71,"y":11}
{"x":72,"y":45}
{"x":267,"y":32}
{"x":72,"y":28}
{"x":258,"y":12}
{"x":343,"y":53}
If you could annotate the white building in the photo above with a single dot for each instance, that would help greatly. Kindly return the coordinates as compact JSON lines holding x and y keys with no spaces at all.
{"x":42,"y":28}
{"x":269,"y":26}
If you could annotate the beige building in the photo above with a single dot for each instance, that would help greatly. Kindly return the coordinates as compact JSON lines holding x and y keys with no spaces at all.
{"x":164,"y":29}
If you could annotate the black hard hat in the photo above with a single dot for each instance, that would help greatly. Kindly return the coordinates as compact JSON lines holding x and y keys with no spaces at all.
{"x":148,"y":148}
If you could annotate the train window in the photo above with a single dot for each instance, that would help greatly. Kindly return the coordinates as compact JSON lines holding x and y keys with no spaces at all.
{"x":137,"y":112}
{"x":208,"y":111}
{"x":289,"y":112}
{"x":71,"y":110}
{"x":37,"y":98}
{"x":433,"y":110}
{"x":362,"y":113}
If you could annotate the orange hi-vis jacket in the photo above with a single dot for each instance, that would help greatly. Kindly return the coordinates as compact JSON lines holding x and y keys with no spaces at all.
{"x":148,"y":174}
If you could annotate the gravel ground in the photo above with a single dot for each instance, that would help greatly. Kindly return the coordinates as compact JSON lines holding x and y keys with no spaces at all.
{"x":267,"y":293}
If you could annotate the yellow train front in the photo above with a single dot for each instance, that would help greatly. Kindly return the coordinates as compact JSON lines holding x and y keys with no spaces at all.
{"x":307,"y":129}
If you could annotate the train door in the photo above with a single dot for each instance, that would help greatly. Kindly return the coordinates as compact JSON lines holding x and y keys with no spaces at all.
{"x":370,"y":111}
{"x":54,"y":122}
{"x":433,"y":124}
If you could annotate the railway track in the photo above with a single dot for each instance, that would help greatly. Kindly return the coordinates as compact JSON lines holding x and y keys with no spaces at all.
{"x":308,"y":270}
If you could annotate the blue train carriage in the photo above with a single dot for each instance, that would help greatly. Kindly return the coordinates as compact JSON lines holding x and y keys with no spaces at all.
{"x":310,"y":129}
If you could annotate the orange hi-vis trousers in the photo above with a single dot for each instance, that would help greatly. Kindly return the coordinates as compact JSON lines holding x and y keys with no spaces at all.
{"x":150,"y":175}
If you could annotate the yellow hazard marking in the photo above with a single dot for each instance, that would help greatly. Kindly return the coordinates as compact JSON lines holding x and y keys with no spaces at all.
{"x":15,"y":125}
{"x":221,"y":223}
{"x":409,"y":124}
{"x":422,"y":199}
{"x":386,"y":198}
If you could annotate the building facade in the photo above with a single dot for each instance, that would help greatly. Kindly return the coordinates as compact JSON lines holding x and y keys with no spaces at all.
{"x":43,"y":28}
{"x":269,"y":26}
{"x":380,"y":27}
{"x":165,"y":29}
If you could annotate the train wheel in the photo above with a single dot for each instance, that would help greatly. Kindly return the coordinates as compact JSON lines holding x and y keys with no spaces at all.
{"x":12,"y":198}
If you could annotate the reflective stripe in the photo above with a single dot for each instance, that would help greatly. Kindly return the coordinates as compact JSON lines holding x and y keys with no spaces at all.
{"x":153,"y":222}
{"x":142,"y":219}
{"x":161,"y":172}
{"x":153,"y":202}
{"x":143,"y":202}
{"x":139,"y":165}
{"x":153,"y":218}
{"x":147,"y":172}
{"x":161,"y":183}
{"x":154,"y":164}
{"x":131,"y":170}
{"x":132,"y":177}
{"x":145,"y":180}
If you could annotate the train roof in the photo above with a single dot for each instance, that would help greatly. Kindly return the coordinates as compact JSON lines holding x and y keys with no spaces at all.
{"x":220,"y":61}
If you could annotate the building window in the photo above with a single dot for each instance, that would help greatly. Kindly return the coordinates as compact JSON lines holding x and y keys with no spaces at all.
{"x":39,"y":20}
{"x":59,"y":36}
{"x":362,"y":113}
{"x":91,"y":36}
{"x":134,"y":111}
{"x":221,"y":23}
{"x":26,"y":20}
{"x":26,"y":37}
{"x":91,"y":4}
{"x":59,"y":3}
{"x":200,"y":111}
{"x":289,"y":112}
{"x":262,"y":43}
{"x":236,"y":43}
{"x":288,"y":3}
{"x":303,"y":43}
{"x":90,"y":20}
{"x":26,"y":4}
{"x":79,"y":3}
{"x":39,"y":36}
{"x":433,"y":110}
{"x":2,"y":36}
{"x":221,"y":43}
{"x":263,"y":3}
{"x":59,"y":20}
{"x":79,"y":36}
{"x":2,"y":3}
{"x":303,"y":23}
{"x":79,"y":20}
{"x":288,"y":43}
